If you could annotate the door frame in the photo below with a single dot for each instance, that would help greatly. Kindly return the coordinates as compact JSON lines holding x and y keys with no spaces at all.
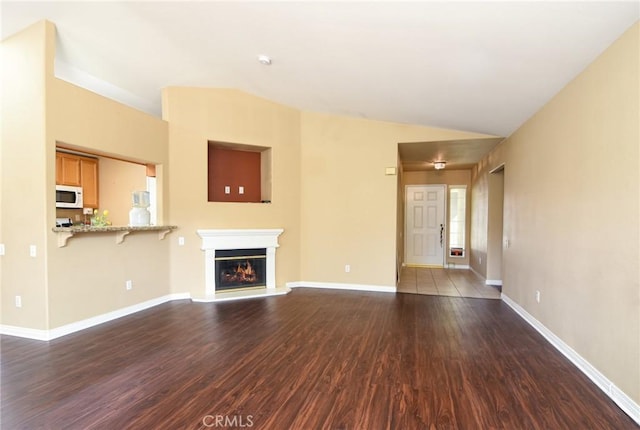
{"x":445,"y":221}
{"x":496,"y":243}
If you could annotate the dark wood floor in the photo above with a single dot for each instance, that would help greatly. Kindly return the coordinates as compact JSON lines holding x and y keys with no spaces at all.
{"x":314,"y":359}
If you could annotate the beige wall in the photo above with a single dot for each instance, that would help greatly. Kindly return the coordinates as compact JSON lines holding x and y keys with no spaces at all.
{"x":495,"y":227}
{"x":37,"y":111}
{"x":95,"y":124}
{"x":198,"y":115}
{"x":118,"y":179}
{"x":446,"y":177}
{"x":330,"y":192}
{"x":480,"y":240}
{"x":572,"y":216}
{"x":348,"y":204}
{"x":399,"y":220}
{"x":25,"y":63}
{"x":81,"y":118}
{"x":1,"y":179}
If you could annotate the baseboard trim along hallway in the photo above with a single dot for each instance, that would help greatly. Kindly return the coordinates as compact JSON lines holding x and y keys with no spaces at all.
{"x":339,"y":286}
{"x":625,"y":402}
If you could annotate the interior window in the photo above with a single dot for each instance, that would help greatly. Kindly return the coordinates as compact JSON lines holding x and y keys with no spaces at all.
{"x":457,"y":219}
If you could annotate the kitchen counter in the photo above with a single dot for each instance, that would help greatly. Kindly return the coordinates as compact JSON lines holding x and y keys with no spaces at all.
{"x":64,"y":233}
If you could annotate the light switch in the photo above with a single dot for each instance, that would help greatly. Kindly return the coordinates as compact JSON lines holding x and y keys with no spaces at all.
{"x":240,"y":190}
{"x":1,"y":248}
{"x":32,"y":250}
{"x":181,"y":241}
{"x":227,"y":189}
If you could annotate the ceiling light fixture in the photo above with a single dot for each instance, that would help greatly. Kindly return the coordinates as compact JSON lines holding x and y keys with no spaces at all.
{"x":264,"y":59}
{"x":439,"y":165}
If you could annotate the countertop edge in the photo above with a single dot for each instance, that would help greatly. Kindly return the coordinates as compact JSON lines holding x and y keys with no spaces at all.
{"x":94,"y":229}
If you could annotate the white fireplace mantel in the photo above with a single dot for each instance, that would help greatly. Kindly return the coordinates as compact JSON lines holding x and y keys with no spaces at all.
{"x":213,"y":240}
{"x":239,"y":239}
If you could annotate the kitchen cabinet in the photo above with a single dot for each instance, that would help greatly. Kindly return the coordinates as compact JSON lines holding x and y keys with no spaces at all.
{"x":69,"y":172}
{"x":89,"y":182}
{"x":79,"y":171}
{"x":58,"y":168}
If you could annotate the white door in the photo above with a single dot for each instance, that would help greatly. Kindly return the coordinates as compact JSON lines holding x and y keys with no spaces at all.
{"x":425,"y":238}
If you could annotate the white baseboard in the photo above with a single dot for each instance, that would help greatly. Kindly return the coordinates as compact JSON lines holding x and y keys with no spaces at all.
{"x":497,"y":282}
{"x":241,"y":295}
{"x":625,"y":402}
{"x":64,"y":330}
{"x":27,"y":333}
{"x":336,"y":286}
{"x":456,"y":266}
{"x":46,"y":335}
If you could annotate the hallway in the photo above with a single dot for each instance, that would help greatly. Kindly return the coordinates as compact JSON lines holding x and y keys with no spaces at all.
{"x":445,"y":282}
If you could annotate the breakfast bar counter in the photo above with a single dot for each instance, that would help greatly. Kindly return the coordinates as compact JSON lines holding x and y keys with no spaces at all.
{"x":64,"y":233}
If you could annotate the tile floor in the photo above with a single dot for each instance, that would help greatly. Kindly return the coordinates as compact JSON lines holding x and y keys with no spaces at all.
{"x":445,"y":282}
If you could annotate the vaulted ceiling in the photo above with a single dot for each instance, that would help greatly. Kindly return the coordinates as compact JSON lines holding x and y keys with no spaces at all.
{"x":475,"y":66}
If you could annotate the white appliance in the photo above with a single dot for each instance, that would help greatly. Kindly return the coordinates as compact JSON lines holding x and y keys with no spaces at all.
{"x":139,"y":215}
{"x":68,"y":197}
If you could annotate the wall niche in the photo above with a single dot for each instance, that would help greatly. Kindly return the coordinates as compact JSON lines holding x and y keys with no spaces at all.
{"x":238,"y":173}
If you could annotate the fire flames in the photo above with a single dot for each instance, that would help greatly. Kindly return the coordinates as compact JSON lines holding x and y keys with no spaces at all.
{"x":243,"y":273}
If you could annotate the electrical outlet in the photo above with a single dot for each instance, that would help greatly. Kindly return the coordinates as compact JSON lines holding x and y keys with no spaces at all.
{"x":32,"y":251}
{"x":240,"y":190}
{"x":18,"y":301}
{"x":538,"y":296}
{"x":227,"y":189}
{"x":347,"y":268}
{"x":87,"y":211}
{"x":129,"y":285}
{"x":181,"y":241}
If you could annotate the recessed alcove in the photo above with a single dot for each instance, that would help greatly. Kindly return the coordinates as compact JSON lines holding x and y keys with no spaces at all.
{"x":238,"y":173}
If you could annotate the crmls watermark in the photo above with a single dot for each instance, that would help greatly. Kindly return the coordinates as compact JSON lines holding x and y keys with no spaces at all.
{"x":222,"y":421}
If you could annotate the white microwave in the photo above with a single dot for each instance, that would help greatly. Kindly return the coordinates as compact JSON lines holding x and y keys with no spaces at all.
{"x":68,"y":197}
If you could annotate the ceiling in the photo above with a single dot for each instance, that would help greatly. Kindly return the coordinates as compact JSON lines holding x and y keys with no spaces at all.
{"x":482,"y":67}
{"x":458,"y":154}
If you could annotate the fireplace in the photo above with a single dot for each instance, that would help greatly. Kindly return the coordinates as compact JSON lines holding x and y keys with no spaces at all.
{"x":240,"y":260}
{"x":240,"y":268}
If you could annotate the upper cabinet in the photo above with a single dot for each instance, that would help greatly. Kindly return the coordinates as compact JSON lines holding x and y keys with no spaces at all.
{"x":79,"y":171}
{"x":67,"y":169}
{"x":58,"y":168}
{"x":89,"y":182}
